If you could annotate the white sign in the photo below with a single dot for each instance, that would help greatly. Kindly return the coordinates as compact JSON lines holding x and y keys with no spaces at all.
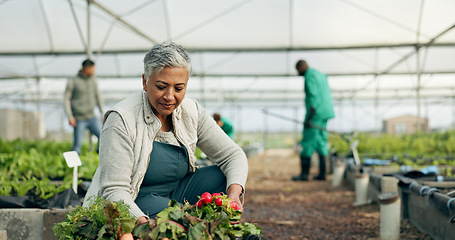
{"x":72,"y":159}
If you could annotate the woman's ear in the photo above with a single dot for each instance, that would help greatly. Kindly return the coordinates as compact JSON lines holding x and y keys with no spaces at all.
{"x":144,"y":83}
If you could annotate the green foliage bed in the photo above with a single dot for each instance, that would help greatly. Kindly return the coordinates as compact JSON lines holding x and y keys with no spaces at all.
{"x":36,"y":166}
{"x":416,"y":149}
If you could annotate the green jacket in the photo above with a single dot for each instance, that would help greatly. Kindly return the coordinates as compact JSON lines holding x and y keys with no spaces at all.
{"x":227,"y":127}
{"x":81,"y":97}
{"x":318,"y":95}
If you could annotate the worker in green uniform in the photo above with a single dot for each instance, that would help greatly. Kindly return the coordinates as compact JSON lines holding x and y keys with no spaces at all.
{"x":319,"y":108}
{"x":224,"y":123}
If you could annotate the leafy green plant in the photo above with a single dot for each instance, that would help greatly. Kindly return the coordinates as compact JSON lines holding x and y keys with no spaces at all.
{"x":42,"y":159}
{"x":102,"y":220}
{"x":22,"y":187}
{"x":42,"y":188}
{"x":105,"y":220}
{"x":28,"y":167}
{"x":5,"y":187}
{"x":419,"y":149}
{"x":208,"y":219}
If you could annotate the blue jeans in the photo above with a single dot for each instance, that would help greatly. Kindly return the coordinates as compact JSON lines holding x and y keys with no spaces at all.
{"x":93,"y":125}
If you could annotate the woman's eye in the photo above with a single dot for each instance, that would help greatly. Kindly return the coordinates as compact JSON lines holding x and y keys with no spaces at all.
{"x":178,"y":89}
{"x":160,"y":87}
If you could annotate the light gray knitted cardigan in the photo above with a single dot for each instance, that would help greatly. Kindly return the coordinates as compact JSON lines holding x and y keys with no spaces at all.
{"x":126,"y":143}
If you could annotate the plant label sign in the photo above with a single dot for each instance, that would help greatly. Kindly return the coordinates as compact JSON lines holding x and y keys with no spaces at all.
{"x":72,"y":159}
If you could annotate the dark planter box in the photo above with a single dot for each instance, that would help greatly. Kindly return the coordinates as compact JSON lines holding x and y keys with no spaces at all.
{"x":429,"y":210}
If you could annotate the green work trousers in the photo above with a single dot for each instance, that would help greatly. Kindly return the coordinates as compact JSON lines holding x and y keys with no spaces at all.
{"x":315,"y":139}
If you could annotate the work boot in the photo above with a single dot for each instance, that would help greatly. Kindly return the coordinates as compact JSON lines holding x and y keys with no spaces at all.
{"x":322,"y":168}
{"x":305,"y":169}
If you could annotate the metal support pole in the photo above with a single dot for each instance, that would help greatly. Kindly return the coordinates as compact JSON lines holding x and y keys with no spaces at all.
{"x":203,"y":85}
{"x":291,"y":23}
{"x":377,"y":120}
{"x":418,"y":91}
{"x":24,"y":117}
{"x":265,"y":132}
{"x":427,"y":112}
{"x":89,"y":54}
{"x":296,"y":125}
{"x":89,"y":36}
{"x":167,"y":21}
{"x":376,"y":107}
{"x":126,"y":24}
{"x":354,"y":112}
{"x":38,"y":95}
{"x":38,"y":87}
{"x":418,"y":68}
{"x":62,"y":126}
{"x":453,"y":111}
{"x":79,"y":30}
{"x":239,"y":122}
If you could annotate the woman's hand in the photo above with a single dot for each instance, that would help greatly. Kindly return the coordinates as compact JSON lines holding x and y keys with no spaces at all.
{"x":129,"y":236}
{"x":126,"y":236}
{"x":234,"y":191}
{"x":142,"y":220}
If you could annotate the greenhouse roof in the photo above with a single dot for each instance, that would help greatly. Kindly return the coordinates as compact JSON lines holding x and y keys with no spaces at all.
{"x":238,"y":37}
{"x":241,"y":50}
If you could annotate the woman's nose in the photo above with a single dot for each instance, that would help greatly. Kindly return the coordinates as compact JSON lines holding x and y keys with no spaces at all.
{"x":169,"y":95}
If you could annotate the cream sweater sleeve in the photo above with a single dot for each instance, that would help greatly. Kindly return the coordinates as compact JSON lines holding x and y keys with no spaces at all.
{"x":221,"y":149}
{"x":67,"y":98}
{"x":117,"y":163}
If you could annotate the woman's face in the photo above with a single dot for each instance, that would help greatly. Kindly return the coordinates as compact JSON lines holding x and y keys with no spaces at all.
{"x":165,"y":91}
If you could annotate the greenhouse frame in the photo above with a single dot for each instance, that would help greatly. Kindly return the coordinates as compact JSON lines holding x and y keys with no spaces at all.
{"x":383,"y":58}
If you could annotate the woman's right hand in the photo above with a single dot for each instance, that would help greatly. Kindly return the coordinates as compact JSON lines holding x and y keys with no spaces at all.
{"x":127,"y":236}
{"x":142,"y":220}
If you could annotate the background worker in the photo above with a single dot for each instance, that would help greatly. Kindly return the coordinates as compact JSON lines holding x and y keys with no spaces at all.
{"x":81,"y":97}
{"x":319,"y":108}
{"x":224,"y":123}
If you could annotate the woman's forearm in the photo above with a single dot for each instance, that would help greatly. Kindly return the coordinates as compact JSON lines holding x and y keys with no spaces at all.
{"x":235,"y":189}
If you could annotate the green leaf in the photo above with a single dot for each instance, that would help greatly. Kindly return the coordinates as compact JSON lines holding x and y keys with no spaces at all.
{"x":192,"y":219}
{"x":235,"y":233}
{"x":199,"y":231}
{"x":250,"y":228}
{"x":126,"y":225}
{"x":220,"y":233}
{"x":142,"y":231}
{"x":170,"y":230}
{"x":105,"y":234}
{"x":92,"y":222}
{"x":176,"y":214}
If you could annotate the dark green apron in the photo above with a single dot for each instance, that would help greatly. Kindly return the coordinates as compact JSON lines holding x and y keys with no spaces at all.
{"x":168,"y":177}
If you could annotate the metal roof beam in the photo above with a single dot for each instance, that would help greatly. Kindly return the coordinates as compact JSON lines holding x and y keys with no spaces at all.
{"x":246,"y":49}
{"x":271,"y":93}
{"x":232,"y":75}
{"x":216,"y":98}
{"x":417,"y":48}
{"x":128,"y":25}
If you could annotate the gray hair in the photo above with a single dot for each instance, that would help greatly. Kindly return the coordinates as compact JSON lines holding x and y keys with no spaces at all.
{"x":167,"y":54}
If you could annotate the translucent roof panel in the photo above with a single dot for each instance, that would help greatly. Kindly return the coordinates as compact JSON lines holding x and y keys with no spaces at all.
{"x":52,"y":25}
{"x":243,"y":52}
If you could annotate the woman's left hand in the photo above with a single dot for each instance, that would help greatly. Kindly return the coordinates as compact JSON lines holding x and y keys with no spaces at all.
{"x":234,"y":192}
{"x":127,"y":236}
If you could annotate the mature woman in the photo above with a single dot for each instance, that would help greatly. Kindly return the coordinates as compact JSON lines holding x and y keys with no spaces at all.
{"x":148,"y":141}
